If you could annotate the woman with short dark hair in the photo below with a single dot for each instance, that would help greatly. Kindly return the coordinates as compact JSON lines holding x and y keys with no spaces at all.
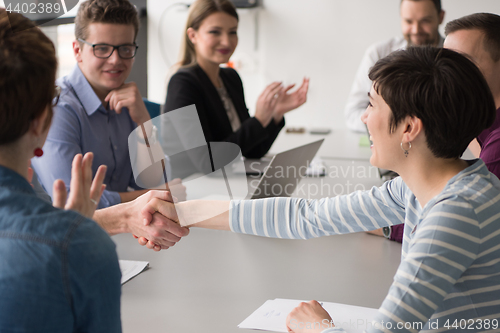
{"x":426,"y":105}
{"x":58,"y":270}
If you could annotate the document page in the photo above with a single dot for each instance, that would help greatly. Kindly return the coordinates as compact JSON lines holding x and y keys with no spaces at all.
{"x":130,"y":268}
{"x":271,"y":316}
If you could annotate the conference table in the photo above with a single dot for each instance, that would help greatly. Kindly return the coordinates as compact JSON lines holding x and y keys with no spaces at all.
{"x":212,"y":280}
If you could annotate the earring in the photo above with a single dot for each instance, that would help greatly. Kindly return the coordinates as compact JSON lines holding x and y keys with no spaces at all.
{"x":406,"y":151}
{"x":38,"y":152}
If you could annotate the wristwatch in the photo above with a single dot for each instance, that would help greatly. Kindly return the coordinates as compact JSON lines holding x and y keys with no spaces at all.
{"x":387,"y":232}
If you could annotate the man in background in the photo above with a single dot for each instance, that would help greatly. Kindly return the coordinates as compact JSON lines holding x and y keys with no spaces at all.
{"x":420,"y":20}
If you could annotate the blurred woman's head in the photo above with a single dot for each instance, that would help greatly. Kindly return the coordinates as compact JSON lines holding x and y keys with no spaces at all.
{"x":211,"y":32}
{"x":28,"y":71}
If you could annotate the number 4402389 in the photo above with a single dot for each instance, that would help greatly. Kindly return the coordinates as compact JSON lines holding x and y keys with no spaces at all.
{"x":34,"y":8}
{"x":472,"y":324}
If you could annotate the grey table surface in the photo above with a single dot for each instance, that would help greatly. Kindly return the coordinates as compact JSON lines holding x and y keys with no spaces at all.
{"x":212,"y":280}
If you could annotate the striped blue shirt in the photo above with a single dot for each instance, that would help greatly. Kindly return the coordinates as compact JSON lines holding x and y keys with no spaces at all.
{"x":450,"y":269}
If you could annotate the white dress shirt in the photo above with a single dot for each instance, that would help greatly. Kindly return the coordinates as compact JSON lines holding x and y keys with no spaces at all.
{"x":358,"y":97}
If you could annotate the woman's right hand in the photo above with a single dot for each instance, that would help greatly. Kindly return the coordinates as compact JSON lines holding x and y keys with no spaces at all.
{"x":308,"y":313}
{"x":85,"y":193}
{"x":266,"y":103}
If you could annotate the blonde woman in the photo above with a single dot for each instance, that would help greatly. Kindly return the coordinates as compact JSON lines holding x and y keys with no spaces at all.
{"x":210,"y":39}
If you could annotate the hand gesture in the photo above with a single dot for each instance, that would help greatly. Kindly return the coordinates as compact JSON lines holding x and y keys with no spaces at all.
{"x":266,"y":103}
{"x":156,"y":223}
{"x":287,"y":102}
{"x":85,"y":193}
{"x":308,"y":313}
{"x":128,"y":96}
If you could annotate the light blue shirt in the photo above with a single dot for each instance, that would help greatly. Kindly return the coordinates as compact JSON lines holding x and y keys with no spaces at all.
{"x":82,"y":124}
{"x":450,"y":267}
{"x":358,"y":99}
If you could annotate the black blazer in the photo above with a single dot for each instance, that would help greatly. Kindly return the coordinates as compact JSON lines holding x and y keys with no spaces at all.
{"x":192,"y":86}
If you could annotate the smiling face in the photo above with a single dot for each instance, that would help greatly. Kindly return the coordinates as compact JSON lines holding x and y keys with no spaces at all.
{"x":420,"y":22}
{"x":216,"y":39}
{"x":385,"y":145}
{"x":105,"y":75}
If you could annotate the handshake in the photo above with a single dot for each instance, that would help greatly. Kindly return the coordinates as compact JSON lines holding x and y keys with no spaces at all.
{"x":151,"y":217}
{"x":160,"y":228}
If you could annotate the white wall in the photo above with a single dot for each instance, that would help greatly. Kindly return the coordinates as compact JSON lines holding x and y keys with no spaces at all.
{"x":288,"y":39}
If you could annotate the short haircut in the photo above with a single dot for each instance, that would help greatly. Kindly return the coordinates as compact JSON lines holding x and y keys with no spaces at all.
{"x":488,"y":24}
{"x":105,"y":11}
{"x":442,"y":88}
{"x":437,"y":4}
{"x":28,"y":67}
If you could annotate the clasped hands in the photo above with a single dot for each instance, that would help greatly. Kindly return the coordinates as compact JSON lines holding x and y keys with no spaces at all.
{"x":158,"y":233}
{"x":275,"y":101}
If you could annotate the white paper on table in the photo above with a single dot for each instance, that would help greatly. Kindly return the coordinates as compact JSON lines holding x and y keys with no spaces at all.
{"x":271,"y":316}
{"x":130,"y":268}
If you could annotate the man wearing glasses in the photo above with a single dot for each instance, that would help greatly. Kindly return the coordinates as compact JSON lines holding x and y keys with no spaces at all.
{"x":97,"y":110}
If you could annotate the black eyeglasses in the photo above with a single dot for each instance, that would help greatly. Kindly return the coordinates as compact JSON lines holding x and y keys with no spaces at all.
{"x":104,"y":51}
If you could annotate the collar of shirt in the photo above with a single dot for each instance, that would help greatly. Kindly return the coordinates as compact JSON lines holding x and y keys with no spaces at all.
{"x":482,"y":138}
{"x":83,"y":90}
{"x":440,"y":43}
{"x":14,"y":181}
{"x":476,"y":167}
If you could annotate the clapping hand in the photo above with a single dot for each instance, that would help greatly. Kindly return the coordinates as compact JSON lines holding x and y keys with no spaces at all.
{"x":85,"y":192}
{"x":286,"y":102}
{"x":266,"y":103}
